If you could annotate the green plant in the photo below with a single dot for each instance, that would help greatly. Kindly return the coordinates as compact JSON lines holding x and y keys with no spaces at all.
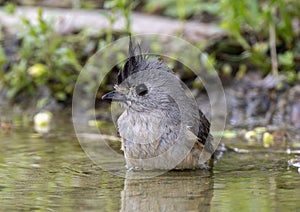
{"x":117,"y":8}
{"x":256,"y":25}
{"x":3,"y":60}
{"x":44,"y":59}
{"x":9,"y":7}
{"x":256,"y":16}
{"x":181,"y":9}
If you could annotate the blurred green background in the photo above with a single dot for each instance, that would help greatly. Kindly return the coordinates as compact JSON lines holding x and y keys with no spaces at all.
{"x":261,"y":36}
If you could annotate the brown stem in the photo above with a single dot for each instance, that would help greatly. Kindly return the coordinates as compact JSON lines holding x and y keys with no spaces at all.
{"x":274,"y":60}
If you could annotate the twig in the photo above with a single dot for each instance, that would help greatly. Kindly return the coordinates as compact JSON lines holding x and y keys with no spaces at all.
{"x":272,"y":34}
{"x":99,"y":136}
{"x":261,"y":151}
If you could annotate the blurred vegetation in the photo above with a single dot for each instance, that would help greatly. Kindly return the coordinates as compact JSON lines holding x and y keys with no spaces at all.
{"x":252,"y":24}
{"x":44,"y":58}
{"x":183,"y":9}
{"x":119,"y":8}
{"x":263,"y":35}
{"x":249,"y":24}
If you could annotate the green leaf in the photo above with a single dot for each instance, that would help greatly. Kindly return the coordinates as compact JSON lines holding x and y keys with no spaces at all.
{"x":10,"y":8}
{"x":61,"y":96}
{"x":42,"y":102}
{"x":286,"y":59}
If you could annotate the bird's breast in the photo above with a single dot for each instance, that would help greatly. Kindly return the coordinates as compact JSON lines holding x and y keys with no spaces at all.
{"x":141,"y":128}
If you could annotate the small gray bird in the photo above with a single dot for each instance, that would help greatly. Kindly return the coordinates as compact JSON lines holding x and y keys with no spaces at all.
{"x":161,"y":126}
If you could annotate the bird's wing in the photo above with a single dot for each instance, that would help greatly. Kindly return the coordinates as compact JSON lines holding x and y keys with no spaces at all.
{"x":204,"y":136}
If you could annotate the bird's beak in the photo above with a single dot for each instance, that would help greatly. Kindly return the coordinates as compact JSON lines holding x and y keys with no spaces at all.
{"x":114,"y":95}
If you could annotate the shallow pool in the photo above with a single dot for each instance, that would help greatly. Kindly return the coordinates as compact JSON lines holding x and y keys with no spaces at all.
{"x":52,"y":173}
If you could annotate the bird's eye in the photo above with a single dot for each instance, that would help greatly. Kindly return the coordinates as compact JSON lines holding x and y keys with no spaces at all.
{"x":141,"y":90}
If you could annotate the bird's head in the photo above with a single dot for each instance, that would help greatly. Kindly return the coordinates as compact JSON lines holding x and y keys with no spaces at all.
{"x":144,"y":83}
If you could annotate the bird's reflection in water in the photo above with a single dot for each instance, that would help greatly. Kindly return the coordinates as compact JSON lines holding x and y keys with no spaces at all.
{"x":173,"y":191}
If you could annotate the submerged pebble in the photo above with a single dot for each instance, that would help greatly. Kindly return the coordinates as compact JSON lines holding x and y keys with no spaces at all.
{"x":295,"y":162}
{"x":250,"y":135}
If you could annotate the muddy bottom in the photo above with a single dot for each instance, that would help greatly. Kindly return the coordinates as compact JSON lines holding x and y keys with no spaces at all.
{"x":52,"y":173}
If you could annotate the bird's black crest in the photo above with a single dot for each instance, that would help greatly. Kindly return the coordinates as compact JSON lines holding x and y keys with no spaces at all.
{"x":138,"y":61}
{"x":133,"y":63}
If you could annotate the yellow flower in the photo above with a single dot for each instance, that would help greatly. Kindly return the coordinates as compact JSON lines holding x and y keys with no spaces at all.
{"x":268,"y":139}
{"x":37,"y":70}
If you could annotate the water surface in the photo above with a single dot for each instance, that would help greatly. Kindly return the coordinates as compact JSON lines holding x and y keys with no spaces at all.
{"x":52,"y":173}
